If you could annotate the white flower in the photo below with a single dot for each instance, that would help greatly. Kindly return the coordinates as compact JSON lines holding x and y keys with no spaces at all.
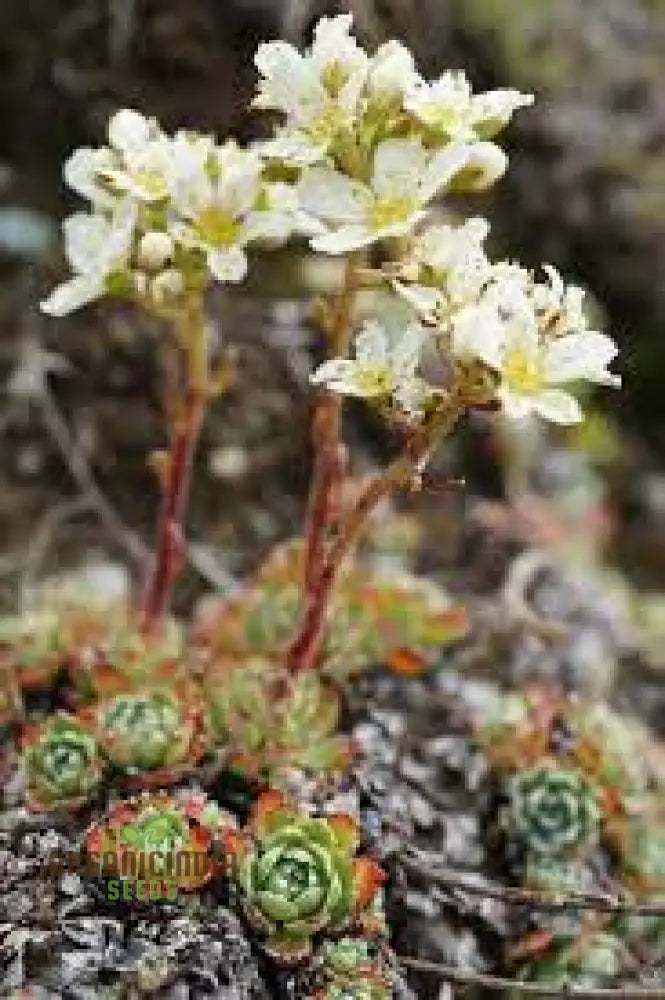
{"x":215,"y":207}
{"x":142,"y":157}
{"x":278,"y":216}
{"x":404,"y":179}
{"x":392,"y":72}
{"x":318,"y":92}
{"x":448,"y":106}
{"x":531,"y":366}
{"x":455,"y":266}
{"x":380,"y":370}
{"x":97,"y":247}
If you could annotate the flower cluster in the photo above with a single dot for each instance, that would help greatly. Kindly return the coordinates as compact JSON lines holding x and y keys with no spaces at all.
{"x":299,"y":875}
{"x":167,"y":214}
{"x":363,"y":147}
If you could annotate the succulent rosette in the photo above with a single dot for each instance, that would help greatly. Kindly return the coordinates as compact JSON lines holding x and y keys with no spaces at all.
{"x":553,"y":810}
{"x":106,"y":653}
{"x":267,"y":720}
{"x":30,"y":645}
{"x":299,"y":875}
{"x":402,"y":625}
{"x":62,"y":763}
{"x":152,"y":736}
{"x":162,"y":836}
{"x":351,"y":972}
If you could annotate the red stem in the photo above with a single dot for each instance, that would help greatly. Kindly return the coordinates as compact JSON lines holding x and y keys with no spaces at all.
{"x":325,"y":495}
{"x":305,"y":649}
{"x":175,"y":495}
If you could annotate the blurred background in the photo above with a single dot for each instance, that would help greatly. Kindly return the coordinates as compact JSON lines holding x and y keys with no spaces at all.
{"x":80,"y":405}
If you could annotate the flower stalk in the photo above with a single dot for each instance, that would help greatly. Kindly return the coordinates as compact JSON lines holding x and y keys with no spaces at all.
{"x":177,"y":471}
{"x":305,"y":648}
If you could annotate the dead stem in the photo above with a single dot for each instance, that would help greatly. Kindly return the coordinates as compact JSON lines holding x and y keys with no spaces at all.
{"x":462,"y":977}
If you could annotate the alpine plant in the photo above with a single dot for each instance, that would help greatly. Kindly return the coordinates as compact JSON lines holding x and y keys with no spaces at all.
{"x":153,"y":737}
{"x":554,"y":811}
{"x":299,"y":876}
{"x":351,"y":971}
{"x":62,"y":763}
{"x":179,"y":837}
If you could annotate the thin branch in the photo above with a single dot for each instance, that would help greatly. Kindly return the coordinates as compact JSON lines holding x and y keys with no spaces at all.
{"x":513,"y":896}
{"x":461,"y":977}
{"x":81,"y":473}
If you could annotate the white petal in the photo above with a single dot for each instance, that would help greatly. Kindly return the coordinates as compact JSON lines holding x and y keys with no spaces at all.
{"x":579,"y":356}
{"x":521,"y":334}
{"x":294,"y":148}
{"x":333,"y":197}
{"x":515,"y":407}
{"x":227,"y":265}
{"x":392,"y":71}
{"x":81,"y":171}
{"x":495,"y":108}
{"x":72,"y":295}
{"x":442,"y":168}
{"x":479,"y":332}
{"x":411,"y":395}
{"x":339,"y":376}
{"x":399,"y":165}
{"x":405,"y":354}
{"x":485,"y":164}
{"x":290,"y":83}
{"x":86,"y":236}
{"x":344,"y":240}
{"x":371,"y":345}
{"x":558,"y":406}
{"x":424,"y":300}
{"x":121,"y":233}
{"x":128,"y":131}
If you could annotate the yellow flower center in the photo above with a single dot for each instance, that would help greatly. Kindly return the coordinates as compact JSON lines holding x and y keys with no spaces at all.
{"x":216,"y":227}
{"x":152,"y":182}
{"x":334,"y":78}
{"x":324,"y":128}
{"x":375,"y":381}
{"x":389,"y":211}
{"x":522,"y":372}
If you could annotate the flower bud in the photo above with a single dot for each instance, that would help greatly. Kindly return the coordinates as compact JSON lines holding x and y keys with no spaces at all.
{"x":155,"y":250}
{"x":167,"y":286}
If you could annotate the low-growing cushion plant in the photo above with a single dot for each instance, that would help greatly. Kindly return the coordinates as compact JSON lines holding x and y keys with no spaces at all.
{"x":300,"y":876}
{"x":62,"y":762}
{"x":177,"y":837}
{"x":151,"y":736}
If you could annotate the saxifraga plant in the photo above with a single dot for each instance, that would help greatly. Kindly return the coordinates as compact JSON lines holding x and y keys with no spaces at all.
{"x":62,"y":762}
{"x":364,"y":148}
{"x":300,"y":876}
